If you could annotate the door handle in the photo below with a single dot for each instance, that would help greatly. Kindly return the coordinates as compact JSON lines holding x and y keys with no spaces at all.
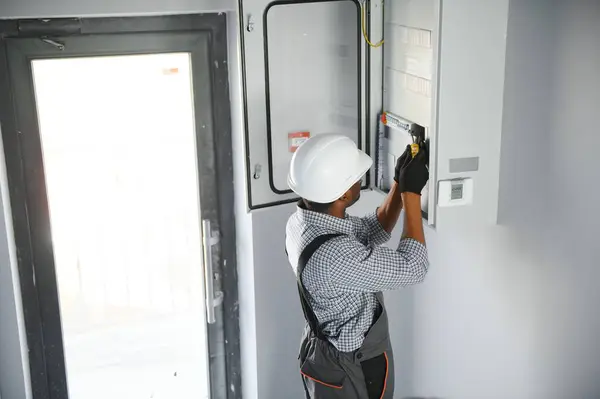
{"x":213,"y":299}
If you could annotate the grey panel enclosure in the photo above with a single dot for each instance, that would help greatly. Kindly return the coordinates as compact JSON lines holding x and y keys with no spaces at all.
{"x":433,"y":76}
{"x":410,"y":84}
{"x":291,"y":47}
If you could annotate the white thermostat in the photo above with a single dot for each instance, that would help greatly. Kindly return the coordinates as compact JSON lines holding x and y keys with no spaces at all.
{"x":455,"y":192}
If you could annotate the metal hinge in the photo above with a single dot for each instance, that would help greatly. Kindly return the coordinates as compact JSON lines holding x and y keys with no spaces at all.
{"x":58,"y":45}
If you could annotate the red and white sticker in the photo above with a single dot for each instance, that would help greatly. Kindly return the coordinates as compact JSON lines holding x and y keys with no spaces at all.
{"x":297,"y":138}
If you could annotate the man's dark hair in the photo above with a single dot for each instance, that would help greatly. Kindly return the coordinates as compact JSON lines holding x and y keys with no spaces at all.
{"x":317,"y":206}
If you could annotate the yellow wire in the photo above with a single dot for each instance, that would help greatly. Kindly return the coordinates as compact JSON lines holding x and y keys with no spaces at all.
{"x":364,"y":28}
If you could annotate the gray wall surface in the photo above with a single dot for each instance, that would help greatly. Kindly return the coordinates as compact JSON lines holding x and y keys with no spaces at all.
{"x":511,"y":311}
{"x":14,"y":371}
{"x":10,"y":9}
{"x":243,"y":220}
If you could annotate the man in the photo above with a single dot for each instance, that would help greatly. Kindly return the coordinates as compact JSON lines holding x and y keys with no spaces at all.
{"x":342,"y":268}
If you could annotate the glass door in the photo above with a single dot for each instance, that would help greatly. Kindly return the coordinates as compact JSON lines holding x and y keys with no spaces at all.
{"x":117,"y":138}
{"x":119,"y":159}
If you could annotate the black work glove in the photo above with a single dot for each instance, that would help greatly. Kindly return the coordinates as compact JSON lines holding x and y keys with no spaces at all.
{"x":414,"y":172}
{"x":400,"y":163}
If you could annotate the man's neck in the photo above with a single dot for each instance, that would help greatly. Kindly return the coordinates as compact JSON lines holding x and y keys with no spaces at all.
{"x":337,"y":212}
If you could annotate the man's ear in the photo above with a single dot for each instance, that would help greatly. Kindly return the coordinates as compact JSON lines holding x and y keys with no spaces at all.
{"x":346,"y":197}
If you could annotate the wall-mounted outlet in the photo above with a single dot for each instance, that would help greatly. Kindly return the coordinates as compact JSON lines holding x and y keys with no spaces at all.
{"x":456,"y":192}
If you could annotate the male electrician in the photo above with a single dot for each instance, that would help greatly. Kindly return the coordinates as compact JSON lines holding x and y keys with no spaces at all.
{"x":342,"y":267}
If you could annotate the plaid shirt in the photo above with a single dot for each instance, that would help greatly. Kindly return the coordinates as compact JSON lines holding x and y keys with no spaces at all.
{"x":344,"y":275}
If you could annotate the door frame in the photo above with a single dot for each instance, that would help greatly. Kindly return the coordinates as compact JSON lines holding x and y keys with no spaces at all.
{"x":41,"y":306}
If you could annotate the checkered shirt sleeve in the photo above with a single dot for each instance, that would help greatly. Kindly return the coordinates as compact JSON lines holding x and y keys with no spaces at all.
{"x":355,"y":267}
{"x":369,"y":230}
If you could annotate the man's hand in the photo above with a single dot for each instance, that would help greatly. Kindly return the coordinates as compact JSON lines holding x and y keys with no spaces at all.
{"x":400,"y":163}
{"x":412,"y":173}
{"x":389,"y":212}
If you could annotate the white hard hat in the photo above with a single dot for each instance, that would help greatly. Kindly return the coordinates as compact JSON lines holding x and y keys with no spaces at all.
{"x":325,"y":166}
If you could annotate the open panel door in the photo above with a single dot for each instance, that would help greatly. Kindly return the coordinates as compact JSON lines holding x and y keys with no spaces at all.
{"x":305,"y":73}
{"x":410,"y":90}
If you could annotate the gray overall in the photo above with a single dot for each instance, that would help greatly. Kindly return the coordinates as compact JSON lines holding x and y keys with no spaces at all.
{"x":367,"y":373}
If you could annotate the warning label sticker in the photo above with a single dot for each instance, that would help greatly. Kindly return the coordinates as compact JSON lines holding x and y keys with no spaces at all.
{"x":297,"y":138}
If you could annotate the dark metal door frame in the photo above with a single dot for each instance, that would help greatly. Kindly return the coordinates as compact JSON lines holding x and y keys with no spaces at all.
{"x":20,"y":132}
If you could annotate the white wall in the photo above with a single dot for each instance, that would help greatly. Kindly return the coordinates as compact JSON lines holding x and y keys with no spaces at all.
{"x":243,"y":220}
{"x":10,"y":9}
{"x":511,"y":311}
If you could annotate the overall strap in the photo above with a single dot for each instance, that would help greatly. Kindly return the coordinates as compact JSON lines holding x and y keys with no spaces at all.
{"x":305,"y":256}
